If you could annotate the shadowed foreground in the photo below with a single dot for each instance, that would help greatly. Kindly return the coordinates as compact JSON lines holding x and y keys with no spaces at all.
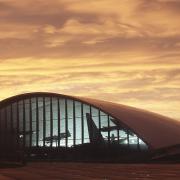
{"x":91,"y":171}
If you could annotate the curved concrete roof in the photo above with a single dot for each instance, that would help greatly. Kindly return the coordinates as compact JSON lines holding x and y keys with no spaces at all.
{"x":156,"y":130}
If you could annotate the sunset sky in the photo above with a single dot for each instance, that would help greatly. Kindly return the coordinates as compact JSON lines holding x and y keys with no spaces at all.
{"x":124,"y":51}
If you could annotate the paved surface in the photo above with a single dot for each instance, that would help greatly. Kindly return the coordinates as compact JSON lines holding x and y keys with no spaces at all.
{"x":86,"y":171}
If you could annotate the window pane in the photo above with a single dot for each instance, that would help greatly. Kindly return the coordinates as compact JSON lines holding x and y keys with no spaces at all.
{"x":86,"y":109}
{"x":40,"y":120}
{"x":104,"y":125}
{"x":27,"y":122}
{"x":34,"y":122}
{"x":78,"y":122}
{"x":62,"y":122}
{"x":55,"y":121}
{"x":95,"y":116}
{"x":47,"y":124}
{"x":123,"y":137}
{"x":70,"y":122}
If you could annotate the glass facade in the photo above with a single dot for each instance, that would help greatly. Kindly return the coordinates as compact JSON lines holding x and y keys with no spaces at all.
{"x":62,"y":122}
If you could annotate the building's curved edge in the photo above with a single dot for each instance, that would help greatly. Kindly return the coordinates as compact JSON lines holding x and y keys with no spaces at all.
{"x":109,"y":110}
{"x":84,"y":100}
{"x":161,"y":130}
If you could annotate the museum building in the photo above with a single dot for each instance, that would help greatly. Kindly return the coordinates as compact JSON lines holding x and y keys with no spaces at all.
{"x":49,"y":125}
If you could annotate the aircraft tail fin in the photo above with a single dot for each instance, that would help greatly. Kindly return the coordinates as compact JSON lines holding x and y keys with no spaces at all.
{"x":94,"y":134}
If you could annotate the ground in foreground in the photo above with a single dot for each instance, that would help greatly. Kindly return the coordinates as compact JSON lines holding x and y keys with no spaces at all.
{"x":85,"y":171}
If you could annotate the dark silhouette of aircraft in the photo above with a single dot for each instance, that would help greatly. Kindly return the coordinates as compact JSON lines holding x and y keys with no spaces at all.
{"x":105,"y":129}
{"x":56,"y":137}
{"x":27,"y":132}
{"x":95,"y":133}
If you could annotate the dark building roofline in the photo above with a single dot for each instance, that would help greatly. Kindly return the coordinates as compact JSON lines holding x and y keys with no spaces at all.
{"x":156,"y":130}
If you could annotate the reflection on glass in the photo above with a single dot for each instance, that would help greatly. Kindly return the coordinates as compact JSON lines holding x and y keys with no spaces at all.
{"x":52,"y":121}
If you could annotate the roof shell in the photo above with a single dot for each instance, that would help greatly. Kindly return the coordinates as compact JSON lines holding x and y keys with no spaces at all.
{"x":156,"y":130}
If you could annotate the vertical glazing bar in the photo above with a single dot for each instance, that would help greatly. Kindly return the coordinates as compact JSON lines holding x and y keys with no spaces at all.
{"x":51,"y":122}
{"x":30,"y":121}
{"x":37,"y":122}
{"x":11,"y":115}
{"x":74,"y":123}
{"x":99,"y":114}
{"x":82,"y":123}
{"x":44,"y":121}
{"x":128,"y":136}
{"x":11,"y":126}
{"x":109,"y":130}
{"x":2,"y":128}
{"x":90,"y":110}
{"x":118,"y":136}
{"x":24,"y":124}
{"x":90,"y":123}
{"x":66,"y":122}
{"x":17,"y":136}
{"x":59,"y":117}
{"x":6,"y":133}
{"x":138,"y":145}
{"x":0,"y":131}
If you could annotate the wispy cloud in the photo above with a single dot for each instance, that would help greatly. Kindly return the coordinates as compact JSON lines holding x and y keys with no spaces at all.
{"x":123,"y":51}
